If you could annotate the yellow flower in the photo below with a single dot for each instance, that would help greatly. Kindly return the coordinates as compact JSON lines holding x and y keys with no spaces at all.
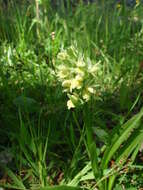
{"x":79,"y":72}
{"x":86,"y":93}
{"x":75,"y":84}
{"x":79,"y":78}
{"x":73,"y":100}
{"x":66,"y":84}
{"x":62,"y":68}
{"x":70,"y":104}
{"x":90,"y":89}
{"x":80,"y":63}
{"x":62,"y":55}
{"x":86,"y":96}
{"x":62,"y":74}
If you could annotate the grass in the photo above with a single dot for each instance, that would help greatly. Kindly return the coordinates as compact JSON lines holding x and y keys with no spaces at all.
{"x":71,"y":96}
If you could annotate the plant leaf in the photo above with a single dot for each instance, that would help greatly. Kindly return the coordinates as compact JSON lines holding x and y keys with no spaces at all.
{"x":127,"y":129}
{"x":61,"y":188}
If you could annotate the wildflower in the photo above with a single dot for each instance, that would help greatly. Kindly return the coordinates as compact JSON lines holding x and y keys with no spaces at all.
{"x":80,"y":63}
{"x":62,"y":55}
{"x":87,"y":93}
{"x":66,"y":83}
{"x":63,"y":71}
{"x":90,"y":89}
{"x":62,"y":67}
{"x":62,"y":74}
{"x":73,"y":100}
{"x":79,"y":72}
{"x":75,"y":75}
{"x":70,"y":104}
{"x":79,"y":78}
{"x":86,"y":96}
{"x":75,"y":84}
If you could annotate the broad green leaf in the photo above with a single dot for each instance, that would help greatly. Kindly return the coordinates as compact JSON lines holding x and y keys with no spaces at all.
{"x":127,"y":149}
{"x":131,"y":147}
{"x":127,"y":129}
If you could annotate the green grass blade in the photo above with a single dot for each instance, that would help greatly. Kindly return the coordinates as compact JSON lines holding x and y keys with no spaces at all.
{"x":17,"y":182}
{"x":131,"y":148}
{"x":82,"y":173}
{"x":91,"y":144}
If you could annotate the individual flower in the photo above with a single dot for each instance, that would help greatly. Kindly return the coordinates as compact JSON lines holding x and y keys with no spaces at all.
{"x":79,"y":71}
{"x":80,"y":63}
{"x":66,"y":84}
{"x":63,"y":55}
{"x":75,"y":84}
{"x":86,"y":96}
{"x":70,"y":104}
{"x":74,"y":98}
{"x":87,"y":93}
{"x":79,"y":78}
{"x":90,"y":89}
{"x":63,"y":71}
